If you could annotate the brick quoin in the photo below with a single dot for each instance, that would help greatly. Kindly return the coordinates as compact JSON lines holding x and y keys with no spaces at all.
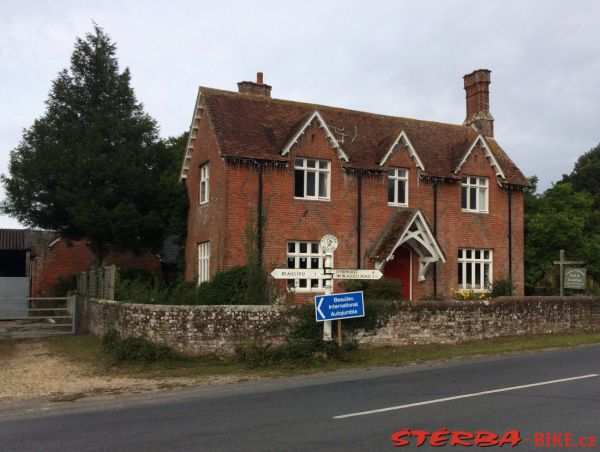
{"x":232,"y":207}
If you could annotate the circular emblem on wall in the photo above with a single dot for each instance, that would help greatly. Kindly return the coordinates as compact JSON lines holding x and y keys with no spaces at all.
{"x":329,"y":243}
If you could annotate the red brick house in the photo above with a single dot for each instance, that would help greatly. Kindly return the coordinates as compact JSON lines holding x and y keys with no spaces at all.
{"x":439,"y":206}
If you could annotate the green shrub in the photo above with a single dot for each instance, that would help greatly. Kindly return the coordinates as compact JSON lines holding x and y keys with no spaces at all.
{"x":134,"y":350}
{"x":63,"y":285}
{"x":502,"y":288}
{"x":380,"y":289}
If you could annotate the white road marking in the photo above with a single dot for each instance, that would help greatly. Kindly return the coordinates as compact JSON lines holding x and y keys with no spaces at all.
{"x":463,"y":396}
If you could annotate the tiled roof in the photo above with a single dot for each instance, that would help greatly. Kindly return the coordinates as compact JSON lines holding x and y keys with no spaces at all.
{"x":251,"y":126}
{"x":24,"y":239}
{"x":386,"y":240}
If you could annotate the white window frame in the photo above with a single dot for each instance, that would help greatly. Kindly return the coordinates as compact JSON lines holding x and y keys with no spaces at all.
{"x":204,"y":178}
{"x":398,"y":176}
{"x":305,"y":285}
{"x":320,"y":167}
{"x":468,"y":260}
{"x":203,"y":262}
{"x":481,"y":185}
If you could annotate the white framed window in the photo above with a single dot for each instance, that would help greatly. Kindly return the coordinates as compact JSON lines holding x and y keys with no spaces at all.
{"x":475,"y":269}
{"x":304,"y":254}
{"x":311,"y":179}
{"x":203,"y":262}
{"x":203,"y":189}
{"x":398,"y":187}
{"x":474,"y":194}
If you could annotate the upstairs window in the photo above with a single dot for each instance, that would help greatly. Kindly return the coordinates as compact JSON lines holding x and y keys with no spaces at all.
{"x":474,"y":269}
{"x":398,"y":187}
{"x":203,"y":195}
{"x":474,"y":195}
{"x":311,"y":179}
{"x":304,"y":255}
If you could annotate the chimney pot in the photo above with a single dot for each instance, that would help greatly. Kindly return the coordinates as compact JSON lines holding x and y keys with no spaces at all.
{"x":478,"y":101}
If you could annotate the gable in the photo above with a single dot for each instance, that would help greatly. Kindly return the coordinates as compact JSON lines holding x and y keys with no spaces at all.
{"x":315,"y":119}
{"x":402,"y":141}
{"x":480,"y":140}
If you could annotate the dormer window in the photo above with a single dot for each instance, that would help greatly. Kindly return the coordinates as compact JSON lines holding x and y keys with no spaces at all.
{"x":474,"y":194}
{"x":311,"y":179}
{"x":398,"y":187}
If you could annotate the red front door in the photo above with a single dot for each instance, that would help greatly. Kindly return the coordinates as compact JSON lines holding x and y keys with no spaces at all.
{"x":399,"y":268}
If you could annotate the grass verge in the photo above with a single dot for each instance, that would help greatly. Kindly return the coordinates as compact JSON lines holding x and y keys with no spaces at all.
{"x":88,"y":350}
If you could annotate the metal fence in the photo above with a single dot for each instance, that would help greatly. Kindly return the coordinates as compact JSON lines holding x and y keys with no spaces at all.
{"x":99,"y":283}
{"x":45,"y":316}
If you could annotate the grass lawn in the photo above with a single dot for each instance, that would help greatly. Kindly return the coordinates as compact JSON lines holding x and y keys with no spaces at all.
{"x":88,"y":350}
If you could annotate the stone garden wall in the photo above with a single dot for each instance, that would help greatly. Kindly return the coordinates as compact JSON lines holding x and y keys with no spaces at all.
{"x":194,"y":330}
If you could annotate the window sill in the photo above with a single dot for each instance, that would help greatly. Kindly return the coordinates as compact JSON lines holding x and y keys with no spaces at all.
{"x":391,"y":204}
{"x":312,"y":199}
{"x":475,"y":211}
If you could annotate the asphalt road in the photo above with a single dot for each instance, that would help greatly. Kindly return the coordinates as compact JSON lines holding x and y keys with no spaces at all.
{"x":545,"y":392}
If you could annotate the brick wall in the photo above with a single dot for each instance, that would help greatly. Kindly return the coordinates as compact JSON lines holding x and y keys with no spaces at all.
{"x":64,"y":259}
{"x":233,"y":207}
{"x":195,"y":330}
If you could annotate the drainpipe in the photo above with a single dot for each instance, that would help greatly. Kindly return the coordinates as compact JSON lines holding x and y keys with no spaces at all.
{"x":259,"y":219}
{"x":435,"y":221}
{"x":510,"y":235}
{"x":358,"y":219}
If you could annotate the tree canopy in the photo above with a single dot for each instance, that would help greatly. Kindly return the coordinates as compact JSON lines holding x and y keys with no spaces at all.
{"x":566,"y":216}
{"x":93,"y":166}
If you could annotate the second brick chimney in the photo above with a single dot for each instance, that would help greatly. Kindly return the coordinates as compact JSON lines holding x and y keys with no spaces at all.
{"x":477,"y":86}
{"x":258,"y":88}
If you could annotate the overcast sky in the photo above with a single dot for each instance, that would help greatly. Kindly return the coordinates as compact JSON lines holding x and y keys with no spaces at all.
{"x":404,"y":58}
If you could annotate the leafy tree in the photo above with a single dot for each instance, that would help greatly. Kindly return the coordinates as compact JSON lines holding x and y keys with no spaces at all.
{"x":560,"y":218}
{"x":92,"y":166}
{"x":586,"y":174}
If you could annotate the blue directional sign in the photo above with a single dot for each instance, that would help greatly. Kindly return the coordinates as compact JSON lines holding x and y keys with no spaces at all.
{"x":339,"y":306}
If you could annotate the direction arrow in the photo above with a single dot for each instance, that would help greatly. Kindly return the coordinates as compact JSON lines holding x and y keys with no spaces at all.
{"x":293,"y":273}
{"x":352,"y":273}
{"x":318,"y":307}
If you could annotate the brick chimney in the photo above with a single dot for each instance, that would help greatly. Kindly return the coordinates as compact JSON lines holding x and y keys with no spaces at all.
{"x":477,"y":86}
{"x":258,"y":88}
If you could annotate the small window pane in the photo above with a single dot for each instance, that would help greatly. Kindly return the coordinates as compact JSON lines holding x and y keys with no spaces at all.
{"x":303,"y":262}
{"x":392,"y":172}
{"x":323,"y":185}
{"x":291,"y":247}
{"x":302,"y":283}
{"x":477,"y":254}
{"x":464,"y":180}
{"x":314,"y":283}
{"x":402,"y":173}
{"x":486,"y":254}
{"x":469,"y":274}
{"x":473,"y":181}
{"x":310,"y":183}
{"x":482,"y":199}
{"x":314,"y":248}
{"x":468,"y":254}
{"x":311,"y":163}
{"x":299,"y":184}
{"x":314,"y":262}
{"x":323,"y":164}
{"x":303,"y":247}
{"x":464,"y":198}
{"x":402,"y":192}
{"x":483,"y":181}
{"x":391,"y":186}
{"x":477,"y":275}
{"x":299,"y":162}
{"x":291,"y":262}
{"x":291,"y":283}
{"x":460,"y":273}
{"x":472,"y":198}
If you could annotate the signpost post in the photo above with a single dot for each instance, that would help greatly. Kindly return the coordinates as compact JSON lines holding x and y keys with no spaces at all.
{"x":329,"y":244}
{"x":562,"y":262}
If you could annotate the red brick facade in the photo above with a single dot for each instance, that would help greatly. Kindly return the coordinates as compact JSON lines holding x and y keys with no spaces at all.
{"x":234,"y":196}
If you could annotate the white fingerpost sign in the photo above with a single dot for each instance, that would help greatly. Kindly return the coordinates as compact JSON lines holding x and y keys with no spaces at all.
{"x":329,"y":244}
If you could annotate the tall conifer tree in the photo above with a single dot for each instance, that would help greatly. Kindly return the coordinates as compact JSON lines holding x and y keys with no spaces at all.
{"x":88,"y":168}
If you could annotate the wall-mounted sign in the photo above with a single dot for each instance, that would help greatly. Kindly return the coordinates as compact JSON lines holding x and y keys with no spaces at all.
{"x":575,"y":278}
